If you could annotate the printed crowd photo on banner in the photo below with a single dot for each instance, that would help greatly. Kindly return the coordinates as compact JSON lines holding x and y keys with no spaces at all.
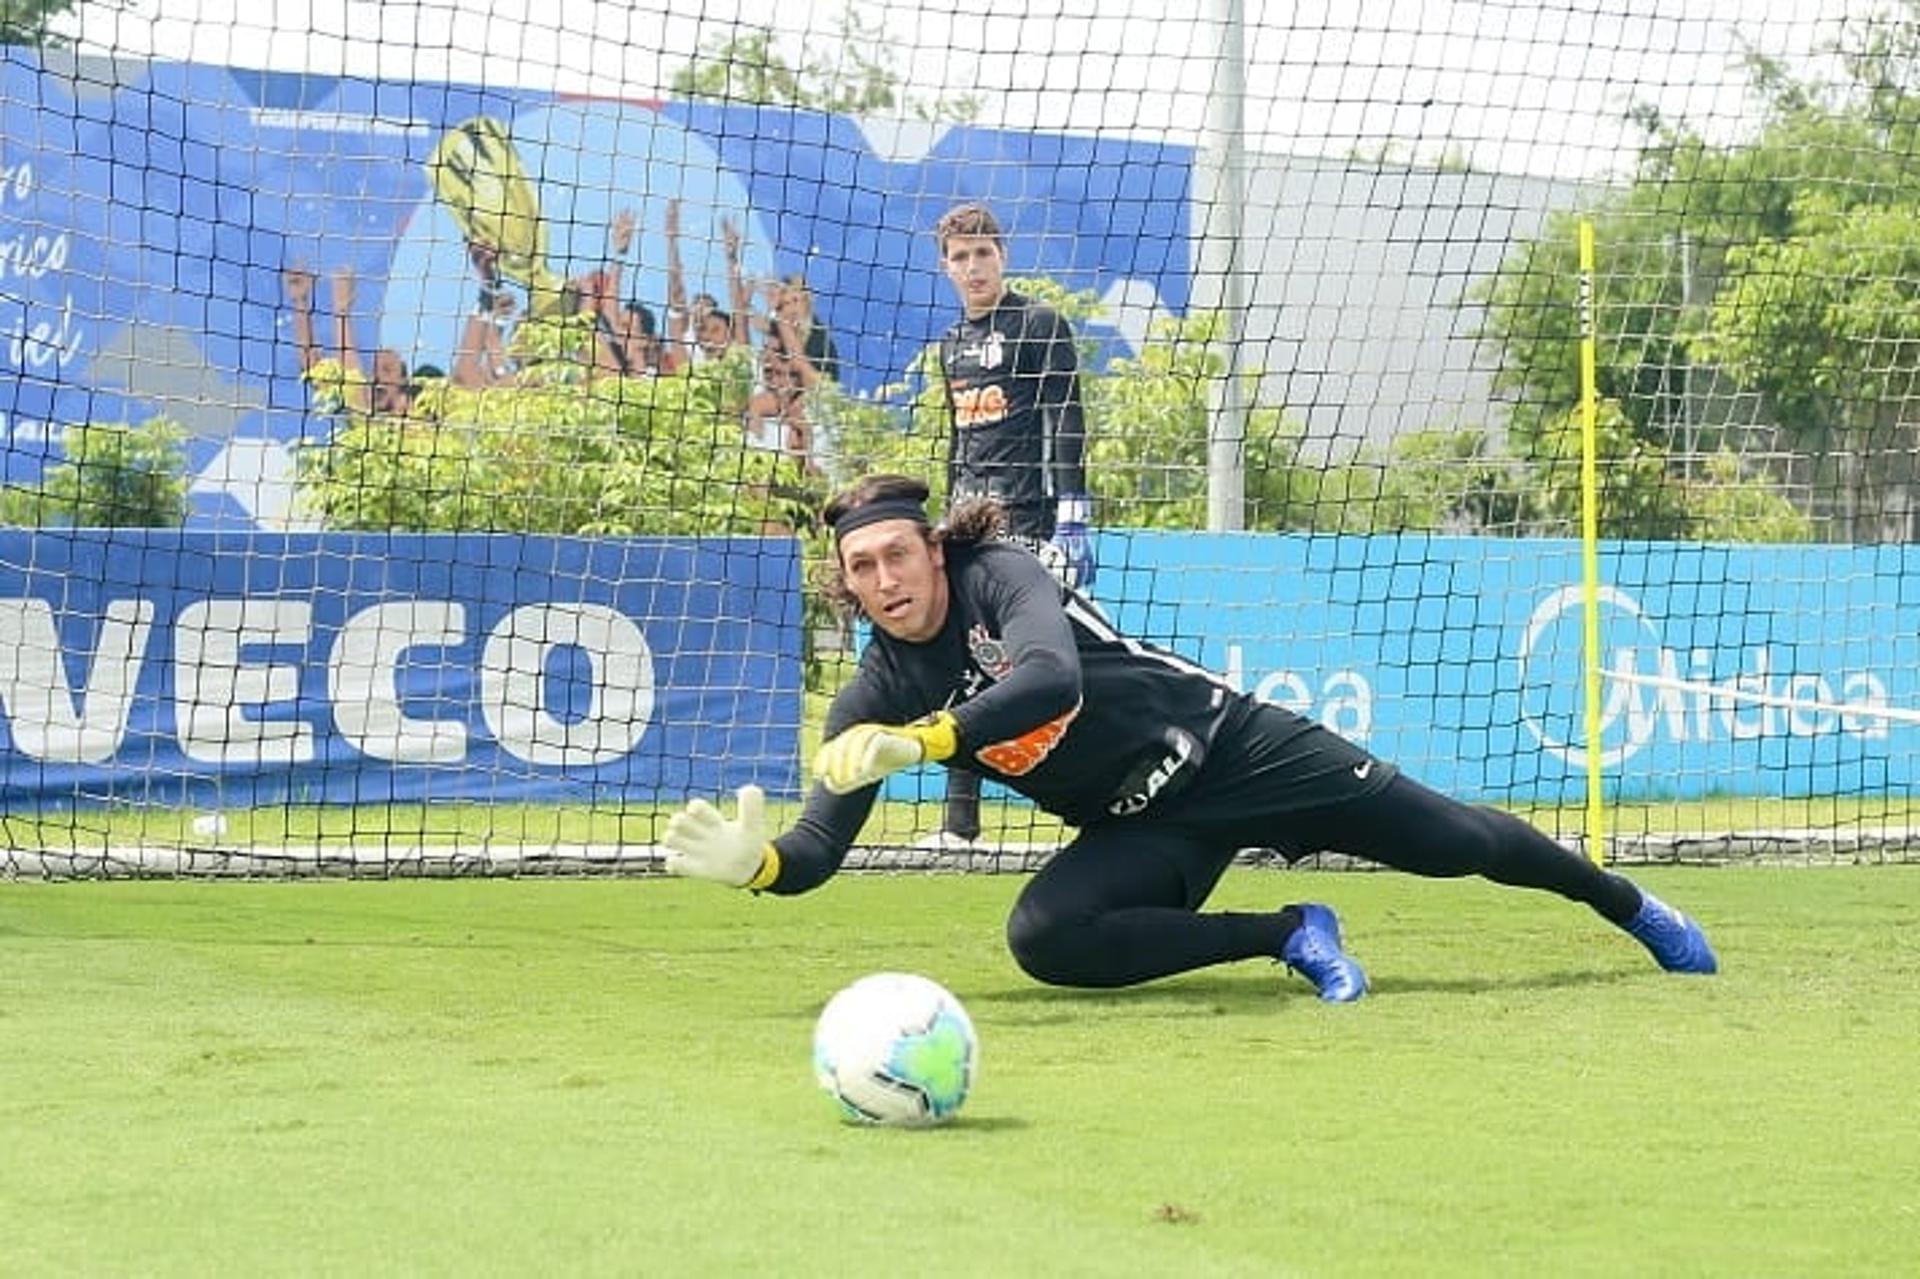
{"x":283,"y":246}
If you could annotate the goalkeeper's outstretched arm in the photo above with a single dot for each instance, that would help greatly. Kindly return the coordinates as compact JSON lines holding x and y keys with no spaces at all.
{"x":702,"y":842}
{"x":811,"y":850}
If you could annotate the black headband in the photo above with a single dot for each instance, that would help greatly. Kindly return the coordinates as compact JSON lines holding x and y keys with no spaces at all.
{"x":878,"y":510}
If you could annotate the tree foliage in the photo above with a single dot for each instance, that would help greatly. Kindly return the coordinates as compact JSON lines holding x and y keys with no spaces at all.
{"x":1777,"y":270}
{"x":1643,"y":495}
{"x":854,"y":75}
{"x":556,"y":453}
{"x":31,"y":22}
{"x":1438,"y":479}
{"x":1150,"y":453}
{"x":115,"y":475}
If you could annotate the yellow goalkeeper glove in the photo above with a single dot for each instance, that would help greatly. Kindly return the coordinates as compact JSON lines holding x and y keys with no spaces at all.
{"x":702,"y":844}
{"x":866,"y":753}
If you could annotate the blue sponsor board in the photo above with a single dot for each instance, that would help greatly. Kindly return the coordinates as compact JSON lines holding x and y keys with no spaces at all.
{"x":1727,"y":670}
{"x":147,"y":212}
{"x":1751,"y":671}
{"x":256,"y":669}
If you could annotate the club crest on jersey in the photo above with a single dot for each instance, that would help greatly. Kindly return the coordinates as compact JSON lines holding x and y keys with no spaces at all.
{"x":988,"y":653}
{"x":993,"y":351}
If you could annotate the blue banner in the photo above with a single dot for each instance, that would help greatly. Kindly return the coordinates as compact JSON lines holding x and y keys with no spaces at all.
{"x":246,"y":670}
{"x":1727,"y":670}
{"x":146,"y":219}
{"x":250,"y":670}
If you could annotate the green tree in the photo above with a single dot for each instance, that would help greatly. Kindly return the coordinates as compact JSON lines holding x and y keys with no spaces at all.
{"x":1826,"y":323}
{"x":556,"y":453}
{"x":1641,"y":495}
{"x":900,"y":429}
{"x":1730,"y":508}
{"x":115,"y":476}
{"x":1150,"y":449}
{"x":1775,"y":263}
{"x":857,"y":76}
{"x":1432,"y":480}
{"x":30,"y":22}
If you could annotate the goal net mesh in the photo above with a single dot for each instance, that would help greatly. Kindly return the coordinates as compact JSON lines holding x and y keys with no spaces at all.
{"x":416,"y":422}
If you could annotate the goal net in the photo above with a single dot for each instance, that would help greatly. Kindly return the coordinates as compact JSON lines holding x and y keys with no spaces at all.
{"x":416,"y":421}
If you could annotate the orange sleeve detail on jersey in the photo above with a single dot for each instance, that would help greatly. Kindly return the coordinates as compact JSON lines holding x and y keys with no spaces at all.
{"x":1021,"y":755}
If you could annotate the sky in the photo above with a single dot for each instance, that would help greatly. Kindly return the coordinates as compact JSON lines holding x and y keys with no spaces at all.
{"x":1522,"y":86}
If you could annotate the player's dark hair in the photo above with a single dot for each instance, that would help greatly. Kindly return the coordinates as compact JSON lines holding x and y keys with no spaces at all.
{"x":976,"y":520}
{"x":968,"y":219}
{"x":902,"y":496}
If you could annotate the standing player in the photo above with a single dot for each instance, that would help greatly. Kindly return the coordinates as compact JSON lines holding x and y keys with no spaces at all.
{"x":1018,"y":431}
{"x":978,"y":654}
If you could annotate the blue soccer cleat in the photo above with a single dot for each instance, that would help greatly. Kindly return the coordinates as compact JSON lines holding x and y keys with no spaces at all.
{"x":1314,"y":952}
{"x":1677,"y":943}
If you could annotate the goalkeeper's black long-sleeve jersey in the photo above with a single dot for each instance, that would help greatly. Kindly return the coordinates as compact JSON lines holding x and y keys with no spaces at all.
{"x":1019,"y":430}
{"x":1047,"y":696}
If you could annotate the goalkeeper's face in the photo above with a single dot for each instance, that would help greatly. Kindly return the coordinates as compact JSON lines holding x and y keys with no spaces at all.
{"x":899,"y":577}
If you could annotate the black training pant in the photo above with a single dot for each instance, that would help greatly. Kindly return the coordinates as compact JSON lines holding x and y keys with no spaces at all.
{"x":1121,"y":903}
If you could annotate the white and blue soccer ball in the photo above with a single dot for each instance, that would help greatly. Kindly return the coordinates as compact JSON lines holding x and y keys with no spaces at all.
{"x":895,"y":1049}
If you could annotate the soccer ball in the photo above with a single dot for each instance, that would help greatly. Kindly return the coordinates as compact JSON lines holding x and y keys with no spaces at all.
{"x":895,"y":1049}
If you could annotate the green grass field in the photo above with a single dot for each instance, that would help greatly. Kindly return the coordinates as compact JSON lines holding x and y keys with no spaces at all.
{"x":611,"y":1077}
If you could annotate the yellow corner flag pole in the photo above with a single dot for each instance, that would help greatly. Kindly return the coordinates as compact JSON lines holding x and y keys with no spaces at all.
{"x":1590,"y":542}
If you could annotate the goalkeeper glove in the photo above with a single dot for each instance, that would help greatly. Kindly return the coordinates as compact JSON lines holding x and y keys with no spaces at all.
{"x":865,"y":753}
{"x":702,"y":844}
{"x":1071,"y":539}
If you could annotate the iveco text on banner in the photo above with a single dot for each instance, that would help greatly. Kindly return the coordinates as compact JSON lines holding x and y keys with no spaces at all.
{"x":265,"y":669}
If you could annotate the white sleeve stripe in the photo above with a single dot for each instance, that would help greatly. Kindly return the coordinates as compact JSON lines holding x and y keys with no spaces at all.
{"x":1095,"y":622}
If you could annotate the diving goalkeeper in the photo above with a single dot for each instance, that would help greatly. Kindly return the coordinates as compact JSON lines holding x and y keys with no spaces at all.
{"x":979,"y":654}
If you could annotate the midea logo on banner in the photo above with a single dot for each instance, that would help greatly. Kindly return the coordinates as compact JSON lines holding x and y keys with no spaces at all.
{"x":1653,"y":693}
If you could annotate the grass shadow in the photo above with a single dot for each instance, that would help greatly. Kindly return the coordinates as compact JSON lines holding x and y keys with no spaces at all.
{"x":1212,"y":995}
